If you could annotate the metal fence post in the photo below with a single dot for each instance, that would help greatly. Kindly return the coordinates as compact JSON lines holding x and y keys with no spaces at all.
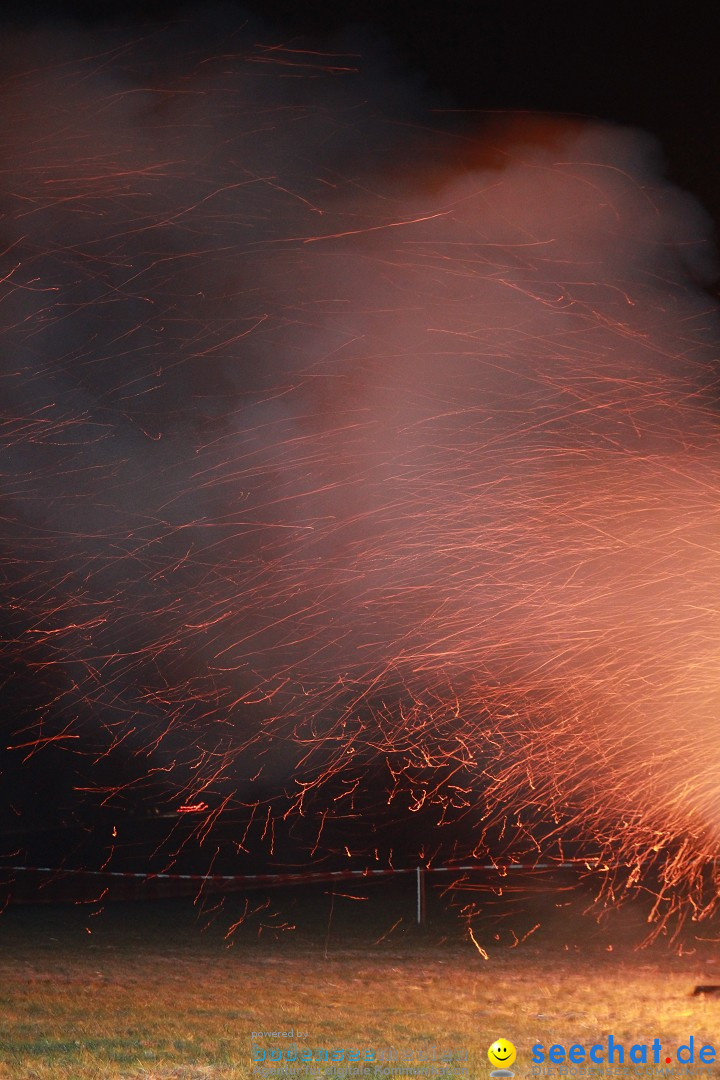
{"x":420,"y":896}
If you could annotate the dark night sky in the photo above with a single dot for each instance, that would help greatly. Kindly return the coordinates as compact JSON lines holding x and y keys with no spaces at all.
{"x":648,"y":65}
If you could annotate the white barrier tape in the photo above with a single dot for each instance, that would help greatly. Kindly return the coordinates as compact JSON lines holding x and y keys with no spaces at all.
{"x":315,"y":875}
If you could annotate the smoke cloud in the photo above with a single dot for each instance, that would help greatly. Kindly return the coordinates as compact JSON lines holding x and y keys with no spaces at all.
{"x":339,"y":440}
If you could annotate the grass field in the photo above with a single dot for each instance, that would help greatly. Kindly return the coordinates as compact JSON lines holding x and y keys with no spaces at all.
{"x":148,"y":994}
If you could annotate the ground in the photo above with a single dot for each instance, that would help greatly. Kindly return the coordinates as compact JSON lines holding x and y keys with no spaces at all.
{"x":157,"y":991}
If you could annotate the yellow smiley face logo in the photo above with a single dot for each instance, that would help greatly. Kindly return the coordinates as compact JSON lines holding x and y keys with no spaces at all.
{"x":501,"y":1053}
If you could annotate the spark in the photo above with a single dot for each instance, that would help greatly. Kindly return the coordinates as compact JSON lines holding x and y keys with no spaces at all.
{"x":477,"y":945}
